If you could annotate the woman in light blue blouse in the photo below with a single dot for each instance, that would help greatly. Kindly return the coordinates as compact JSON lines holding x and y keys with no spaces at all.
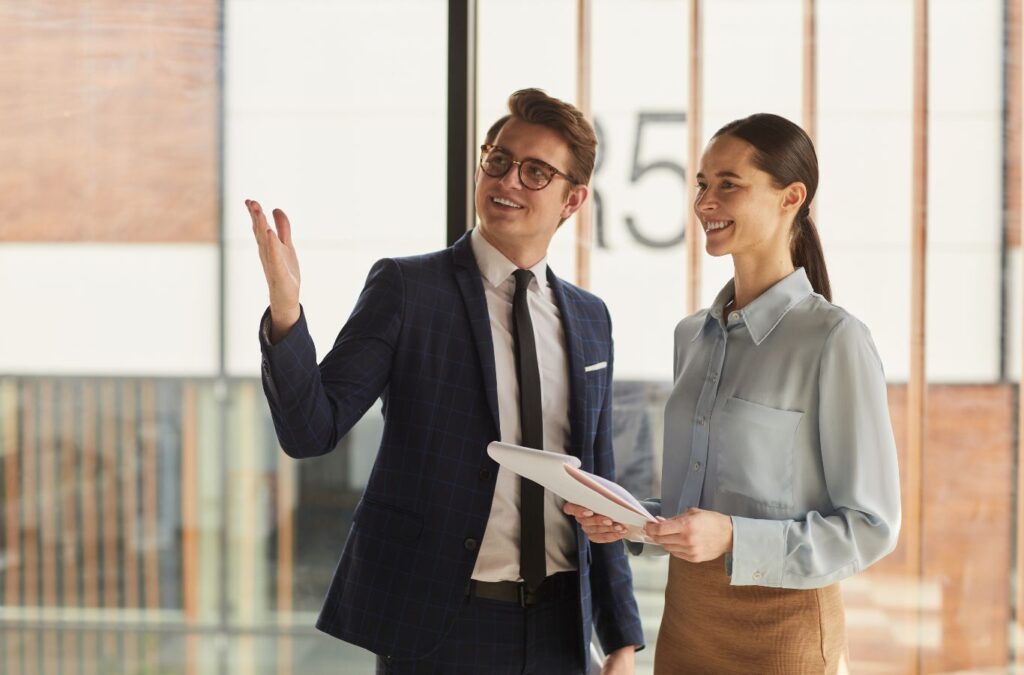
{"x":780,"y":475}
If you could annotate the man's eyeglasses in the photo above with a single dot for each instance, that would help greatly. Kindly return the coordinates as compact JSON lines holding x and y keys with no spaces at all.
{"x":534,"y":174}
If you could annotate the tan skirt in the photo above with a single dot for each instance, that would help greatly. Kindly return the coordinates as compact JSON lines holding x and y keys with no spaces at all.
{"x":712,"y":627}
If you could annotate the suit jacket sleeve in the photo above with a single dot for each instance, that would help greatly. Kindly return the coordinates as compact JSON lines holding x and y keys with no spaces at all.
{"x":313,"y":406}
{"x":616,"y":617}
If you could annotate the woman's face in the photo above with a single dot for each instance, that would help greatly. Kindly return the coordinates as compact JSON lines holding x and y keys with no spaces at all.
{"x":738,"y":205}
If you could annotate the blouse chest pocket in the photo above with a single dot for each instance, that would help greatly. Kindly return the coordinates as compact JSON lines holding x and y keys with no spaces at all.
{"x":754,"y":452}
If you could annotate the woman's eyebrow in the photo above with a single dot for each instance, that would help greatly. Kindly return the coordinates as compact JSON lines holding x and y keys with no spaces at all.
{"x":721,"y":174}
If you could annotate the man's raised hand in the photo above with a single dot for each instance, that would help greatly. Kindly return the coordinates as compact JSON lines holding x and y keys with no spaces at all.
{"x":280,"y":267}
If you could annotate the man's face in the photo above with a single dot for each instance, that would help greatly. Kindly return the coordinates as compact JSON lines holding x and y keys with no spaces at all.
{"x":510,"y":213}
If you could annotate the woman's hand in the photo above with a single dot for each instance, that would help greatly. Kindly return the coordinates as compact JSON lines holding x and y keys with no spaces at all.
{"x":599,"y":529}
{"x":694,"y":536}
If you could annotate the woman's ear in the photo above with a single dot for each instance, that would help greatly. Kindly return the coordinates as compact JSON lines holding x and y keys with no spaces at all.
{"x":793,"y":196}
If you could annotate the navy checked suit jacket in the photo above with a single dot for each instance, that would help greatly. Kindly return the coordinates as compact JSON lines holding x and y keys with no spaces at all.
{"x":419,"y":337}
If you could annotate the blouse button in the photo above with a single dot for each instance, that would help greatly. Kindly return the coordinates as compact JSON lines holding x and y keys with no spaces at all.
{"x":696,"y":466}
{"x":757,"y":575}
{"x":701,"y":420}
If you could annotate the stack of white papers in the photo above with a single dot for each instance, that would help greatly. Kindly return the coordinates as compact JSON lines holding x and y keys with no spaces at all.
{"x":562,"y":475}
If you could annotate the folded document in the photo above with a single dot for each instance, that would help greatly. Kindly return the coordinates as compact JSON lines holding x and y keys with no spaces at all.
{"x":562,"y":475}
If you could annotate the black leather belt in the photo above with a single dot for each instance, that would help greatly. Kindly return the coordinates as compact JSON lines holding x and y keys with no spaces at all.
{"x":512,"y":591}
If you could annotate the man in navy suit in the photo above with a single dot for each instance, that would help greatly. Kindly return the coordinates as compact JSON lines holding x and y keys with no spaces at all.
{"x":453,"y":564}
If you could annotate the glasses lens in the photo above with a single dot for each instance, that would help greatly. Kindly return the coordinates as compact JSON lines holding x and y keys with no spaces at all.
{"x":496,"y":163}
{"x":536,"y":174}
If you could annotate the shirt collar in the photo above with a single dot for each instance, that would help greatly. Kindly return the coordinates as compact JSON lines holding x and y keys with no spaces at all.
{"x":495,"y":267}
{"x":763,"y":314}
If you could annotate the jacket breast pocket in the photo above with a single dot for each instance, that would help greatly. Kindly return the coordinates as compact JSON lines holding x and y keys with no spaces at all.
{"x":597,"y":383}
{"x":754,"y":452}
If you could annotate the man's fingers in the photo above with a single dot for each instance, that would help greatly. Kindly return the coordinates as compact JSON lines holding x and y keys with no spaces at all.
{"x":259,"y":219}
{"x":284,"y":227}
{"x":576,"y":510}
{"x":263,"y":244}
{"x":605,"y":538}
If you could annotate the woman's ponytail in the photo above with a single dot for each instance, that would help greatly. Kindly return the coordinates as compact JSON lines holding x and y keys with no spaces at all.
{"x":807,"y":253}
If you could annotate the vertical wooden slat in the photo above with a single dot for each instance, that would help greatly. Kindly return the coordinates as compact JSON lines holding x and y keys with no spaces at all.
{"x":30,"y":496}
{"x":916,"y":387}
{"x":48,"y":493}
{"x":150,"y":471}
{"x":30,"y":542}
{"x":694,"y":130}
{"x":90,"y":532}
{"x":50,"y":660}
{"x":47,"y":496}
{"x":90,"y":652}
{"x":90,"y":496}
{"x":244,"y":518}
{"x":810,"y":79}
{"x":129,"y":493}
{"x":12,"y":514}
{"x":1013,"y":72}
{"x":109,"y":488}
{"x":246,"y":541}
{"x":189,"y":506}
{"x":129,"y":515}
{"x":285,"y":556}
{"x":70,"y":483}
{"x":192,"y":654}
{"x":585,"y":216}
{"x":69,"y":487}
{"x":285,"y":655}
{"x":285,"y":537}
{"x":1014,"y":237}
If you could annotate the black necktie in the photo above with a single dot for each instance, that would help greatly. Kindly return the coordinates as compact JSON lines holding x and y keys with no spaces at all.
{"x":531,"y":424}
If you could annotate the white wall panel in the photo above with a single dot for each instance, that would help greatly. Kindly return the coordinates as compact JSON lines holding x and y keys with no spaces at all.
{"x":335,"y":113}
{"x":109,"y":309}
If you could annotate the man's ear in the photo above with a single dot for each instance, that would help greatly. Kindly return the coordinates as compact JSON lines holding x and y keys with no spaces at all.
{"x":574,"y":200}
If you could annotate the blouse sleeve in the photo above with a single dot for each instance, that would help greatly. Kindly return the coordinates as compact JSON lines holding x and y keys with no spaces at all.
{"x":653,"y":506}
{"x":858,"y":454}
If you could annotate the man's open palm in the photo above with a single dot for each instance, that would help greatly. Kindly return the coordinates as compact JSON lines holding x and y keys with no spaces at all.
{"x":280,"y":265}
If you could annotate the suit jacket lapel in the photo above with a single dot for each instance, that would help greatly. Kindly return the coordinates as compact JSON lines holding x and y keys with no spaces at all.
{"x":467,"y":275}
{"x":575,"y":356}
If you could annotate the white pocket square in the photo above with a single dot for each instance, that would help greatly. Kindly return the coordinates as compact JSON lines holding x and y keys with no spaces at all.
{"x":596,"y":366}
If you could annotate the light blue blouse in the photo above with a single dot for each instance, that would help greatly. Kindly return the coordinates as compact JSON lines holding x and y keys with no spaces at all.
{"x":779,"y":418}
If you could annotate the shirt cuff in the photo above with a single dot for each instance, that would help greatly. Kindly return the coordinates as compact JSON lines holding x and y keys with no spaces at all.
{"x":758,"y":551}
{"x":268,"y":347}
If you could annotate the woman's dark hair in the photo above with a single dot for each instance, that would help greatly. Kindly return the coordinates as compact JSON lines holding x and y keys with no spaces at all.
{"x":785,"y":152}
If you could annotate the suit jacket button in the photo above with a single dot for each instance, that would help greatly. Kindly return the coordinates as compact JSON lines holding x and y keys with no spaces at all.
{"x":470,"y":544}
{"x":485,"y":474}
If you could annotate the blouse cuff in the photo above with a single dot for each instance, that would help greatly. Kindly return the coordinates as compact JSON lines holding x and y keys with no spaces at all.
{"x":758,"y":551}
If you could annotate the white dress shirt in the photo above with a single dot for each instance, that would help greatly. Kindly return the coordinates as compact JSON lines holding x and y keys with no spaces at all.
{"x":499,"y":552}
